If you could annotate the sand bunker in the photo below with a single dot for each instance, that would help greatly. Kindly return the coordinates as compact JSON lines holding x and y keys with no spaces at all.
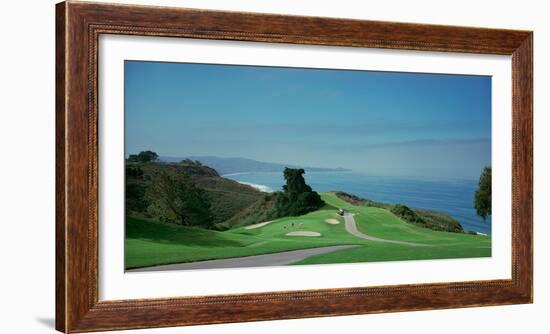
{"x":332,"y":221}
{"x":303,"y":234}
{"x":249,"y":227}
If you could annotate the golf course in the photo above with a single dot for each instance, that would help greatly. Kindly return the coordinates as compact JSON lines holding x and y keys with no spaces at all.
{"x":235,"y":166}
{"x":361,"y":234}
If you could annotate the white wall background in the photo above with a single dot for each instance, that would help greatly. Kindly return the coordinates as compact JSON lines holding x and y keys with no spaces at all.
{"x":27,"y":69}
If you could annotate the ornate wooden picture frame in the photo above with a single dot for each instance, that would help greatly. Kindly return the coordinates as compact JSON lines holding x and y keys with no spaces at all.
{"x":78,"y":27}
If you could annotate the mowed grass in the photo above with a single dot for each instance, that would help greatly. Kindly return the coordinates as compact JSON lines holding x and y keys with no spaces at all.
{"x":151,"y":243}
{"x":383,"y":224}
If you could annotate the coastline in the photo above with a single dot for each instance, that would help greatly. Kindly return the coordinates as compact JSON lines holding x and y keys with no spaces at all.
{"x":450,"y":196}
{"x":260,"y":187}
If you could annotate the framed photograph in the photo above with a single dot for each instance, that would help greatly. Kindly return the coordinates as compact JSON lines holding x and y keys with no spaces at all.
{"x":224,"y":167}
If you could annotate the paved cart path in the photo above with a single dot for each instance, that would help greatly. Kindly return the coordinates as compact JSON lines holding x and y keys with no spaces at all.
{"x":351,"y":227}
{"x":275,"y":259}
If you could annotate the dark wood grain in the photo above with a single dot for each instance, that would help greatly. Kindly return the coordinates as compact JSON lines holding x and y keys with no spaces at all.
{"x":60,"y":135}
{"x":522,"y":166}
{"x":78,"y":27}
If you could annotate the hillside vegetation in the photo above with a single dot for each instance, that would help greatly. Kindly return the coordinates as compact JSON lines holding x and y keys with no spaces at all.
{"x":216,"y":202}
{"x":192,"y":194}
{"x":224,"y":198}
{"x":431,"y":219}
{"x":260,"y":211}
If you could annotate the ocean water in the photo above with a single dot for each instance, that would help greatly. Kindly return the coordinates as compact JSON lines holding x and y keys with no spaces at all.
{"x":455,"y":197}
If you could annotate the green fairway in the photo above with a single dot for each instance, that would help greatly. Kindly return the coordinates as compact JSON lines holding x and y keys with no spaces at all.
{"x":151,"y":243}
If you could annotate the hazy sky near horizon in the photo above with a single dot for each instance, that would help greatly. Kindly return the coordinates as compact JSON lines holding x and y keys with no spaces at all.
{"x":383,"y":123}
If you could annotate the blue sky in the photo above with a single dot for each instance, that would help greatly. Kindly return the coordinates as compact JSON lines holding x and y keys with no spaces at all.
{"x":382,"y":123}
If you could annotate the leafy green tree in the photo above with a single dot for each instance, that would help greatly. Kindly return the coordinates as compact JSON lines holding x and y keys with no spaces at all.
{"x":176,"y":199}
{"x":143,"y":156}
{"x":295,"y":182}
{"x":134,"y":172}
{"x":297,"y":197}
{"x":190,"y":162}
{"x":482,"y":200}
{"x":148,"y":156}
{"x":136,"y":201}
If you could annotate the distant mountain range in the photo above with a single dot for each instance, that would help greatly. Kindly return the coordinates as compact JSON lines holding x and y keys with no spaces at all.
{"x":243,"y":165}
